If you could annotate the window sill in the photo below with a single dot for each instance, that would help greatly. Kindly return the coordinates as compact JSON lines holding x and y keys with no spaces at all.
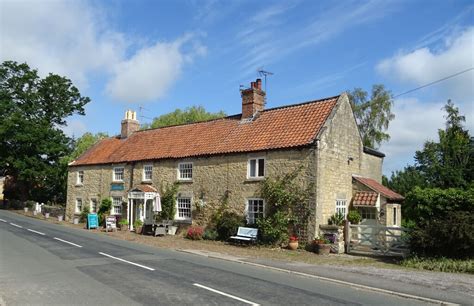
{"x":147,"y":182}
{"x":117,"y":182}
{"x":79,"y":185}
{"x":184,"y":181}
{"x":183,"y":221}
{"x":255,"y":179}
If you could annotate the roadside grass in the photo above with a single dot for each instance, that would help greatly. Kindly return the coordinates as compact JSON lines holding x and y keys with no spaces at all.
{"x":440,"y":264}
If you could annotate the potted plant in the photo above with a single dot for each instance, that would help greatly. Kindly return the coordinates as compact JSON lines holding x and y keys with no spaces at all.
{"x":123,"y":224}
{"x":46,"y":215}
{"x":25,"y":209}
{"x":138,"y":225}
{"x":354,"y":216}
{"x":293,"y":243}
{"x":322,"y":246}
{"x":60,"y":218}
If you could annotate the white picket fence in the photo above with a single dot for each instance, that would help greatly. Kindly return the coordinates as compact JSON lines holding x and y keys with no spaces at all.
{"x":376,"y":240}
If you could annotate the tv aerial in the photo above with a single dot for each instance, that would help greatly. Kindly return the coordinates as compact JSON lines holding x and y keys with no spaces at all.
{"x":264,"y":73}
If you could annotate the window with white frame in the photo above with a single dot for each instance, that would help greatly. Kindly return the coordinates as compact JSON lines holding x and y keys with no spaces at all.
{"x":78,"y":205}
{"x":116,"y":205}
{"x":80,"y":178}
{"x":147,"y":172}
{"x":184,"y":208}
{"x":256,"y":168}
{"x":394,"y":216}
{"x":255,"y":209}
{"x":367,"y":212}
{"x":118,"y":174}
{"x":341,"y":207}
{"x":93,"y":205}
{"x":185,"y":171}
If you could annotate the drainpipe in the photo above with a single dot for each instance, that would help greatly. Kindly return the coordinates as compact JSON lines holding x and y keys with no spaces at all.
{"x":318,"y":192}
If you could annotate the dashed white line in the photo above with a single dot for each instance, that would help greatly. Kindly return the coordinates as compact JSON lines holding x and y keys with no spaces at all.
{"x":129,"y":262}
{"x":3,"y":220}
{"x":68,"y":242}
{"x":226,"y":294}
{"x":16,"y":225}
{"x":39,"y":233}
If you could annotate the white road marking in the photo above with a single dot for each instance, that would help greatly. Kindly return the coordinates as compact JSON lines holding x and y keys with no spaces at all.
{"x":3,"y":220}
{"x":68,"y":242}
{"x":129,"y":262}
{"x":39,"y":233}
{"x":16,"y":225}
{"x":226,"y":294}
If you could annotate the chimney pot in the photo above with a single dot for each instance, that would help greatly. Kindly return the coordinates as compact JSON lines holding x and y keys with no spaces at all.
{"x":129,"y":124}
{"x":259,"y":84}
{"x":253,"y":100}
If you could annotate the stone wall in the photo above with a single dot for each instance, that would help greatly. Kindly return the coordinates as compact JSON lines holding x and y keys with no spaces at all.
{"x":213,"y":178}
{"x":340,"y":155}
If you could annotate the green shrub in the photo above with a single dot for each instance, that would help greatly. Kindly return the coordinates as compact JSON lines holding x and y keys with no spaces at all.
{"x":451,"y":235}
{"x":53,"y":211}
{"x":440,"y":264}
{"x":210,"y":234}
{"x":168,"y":201}
{"x":137,"y":223}
{"x":228,"y":224}
{"x":104,"y":209}
{"x":273,"y":229}
{"x":30,"y":204}
{"x":85,"y":211}
{"x":354,"y":216}
{"x":428,"y":203}
{"x":336,"y":219}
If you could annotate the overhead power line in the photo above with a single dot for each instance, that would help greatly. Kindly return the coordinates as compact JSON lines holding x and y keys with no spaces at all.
{"x":434,"y":82}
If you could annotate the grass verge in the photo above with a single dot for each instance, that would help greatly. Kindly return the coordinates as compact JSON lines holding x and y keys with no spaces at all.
{"x":440,"y":264}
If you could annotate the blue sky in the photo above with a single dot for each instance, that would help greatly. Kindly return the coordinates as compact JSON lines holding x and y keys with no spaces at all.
{"x":162,"y":55}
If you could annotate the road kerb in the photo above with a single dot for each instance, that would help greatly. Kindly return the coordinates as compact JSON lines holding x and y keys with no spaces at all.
{"x":327,"y":279}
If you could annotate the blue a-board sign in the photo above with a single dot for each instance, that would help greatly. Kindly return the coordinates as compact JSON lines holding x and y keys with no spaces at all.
{"x":117,"y":187}
{"x":92,"y":221}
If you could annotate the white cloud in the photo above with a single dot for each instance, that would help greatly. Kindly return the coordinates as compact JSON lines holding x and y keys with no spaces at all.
{"x":424,"y":65}
{"x":67,"y":38}
{"x":75,"y":39}
{"x":74,"y":128}
{"x":148,"y":74}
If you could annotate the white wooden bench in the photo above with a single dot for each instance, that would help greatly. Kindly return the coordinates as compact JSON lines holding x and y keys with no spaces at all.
{"x":247,"y":234}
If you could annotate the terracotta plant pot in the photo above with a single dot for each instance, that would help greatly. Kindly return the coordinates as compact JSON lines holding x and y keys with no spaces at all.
{"x":323,"y":249}
{"x":293,"y":245}
{"x":138,"y":229}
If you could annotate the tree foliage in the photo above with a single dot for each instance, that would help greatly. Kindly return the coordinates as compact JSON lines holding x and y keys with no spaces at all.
{"x":84,"y":143}
{"x":188,"y":115}
{"x":446,"y":163}
{"x":32,"y":145}
{"x":374,"y":115}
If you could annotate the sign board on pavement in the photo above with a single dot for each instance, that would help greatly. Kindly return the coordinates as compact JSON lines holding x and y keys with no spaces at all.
{"x":92,"y":221}
{"x":110,"y":223}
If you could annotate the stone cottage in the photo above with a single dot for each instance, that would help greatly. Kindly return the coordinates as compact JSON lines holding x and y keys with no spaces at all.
{"x":229,"y":157}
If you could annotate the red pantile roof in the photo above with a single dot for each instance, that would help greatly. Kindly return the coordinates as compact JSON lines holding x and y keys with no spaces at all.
{"x":377,"y":187}
{"x":365,"y":198}
{"x":283,"y":127}
{"x":144,"y":188}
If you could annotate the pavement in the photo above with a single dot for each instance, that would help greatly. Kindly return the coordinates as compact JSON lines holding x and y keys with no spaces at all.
{"x":43,"y":263}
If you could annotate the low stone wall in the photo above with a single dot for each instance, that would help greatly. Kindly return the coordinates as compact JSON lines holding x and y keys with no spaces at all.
{"x":336,"y":235}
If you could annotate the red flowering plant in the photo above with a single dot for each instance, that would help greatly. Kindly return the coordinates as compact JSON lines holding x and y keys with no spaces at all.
{"x":293,"y":238}
{"x":195,"y":233}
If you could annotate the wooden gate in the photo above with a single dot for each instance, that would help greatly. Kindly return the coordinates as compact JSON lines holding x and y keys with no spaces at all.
{"x":376,"y":240}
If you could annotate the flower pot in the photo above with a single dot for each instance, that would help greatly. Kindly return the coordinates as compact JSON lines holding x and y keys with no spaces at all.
{"x":75,"y":221}
{"x":123,"y":227}
{"x":60,"y":218}
{"x":323,"y":249}
{"x":293,"y":245}
{"x":172,"y":230}
{"x":138,"y":229}
{"x":35,"y":212}
{"x":25,"y":209}
{"x":46,"y":215}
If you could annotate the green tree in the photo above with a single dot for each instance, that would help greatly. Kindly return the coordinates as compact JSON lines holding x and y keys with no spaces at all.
{"x":32,"y":144}
{"x":448,"y":162}
{"x":188,"y":115}
{"x":373,"y":116}
{"x":403,"y":181}
{"x":84,"y":143}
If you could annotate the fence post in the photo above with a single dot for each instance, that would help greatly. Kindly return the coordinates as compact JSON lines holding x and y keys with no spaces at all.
{"x":347,"y":236}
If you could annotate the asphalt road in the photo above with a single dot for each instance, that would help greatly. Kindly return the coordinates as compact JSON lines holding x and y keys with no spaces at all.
{"x":47,"y":264}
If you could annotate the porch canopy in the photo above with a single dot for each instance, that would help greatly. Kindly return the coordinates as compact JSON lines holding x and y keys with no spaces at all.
{"x":143,"y":201}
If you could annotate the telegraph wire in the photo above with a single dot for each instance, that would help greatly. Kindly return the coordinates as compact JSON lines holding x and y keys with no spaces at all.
{"x":434,"y":82}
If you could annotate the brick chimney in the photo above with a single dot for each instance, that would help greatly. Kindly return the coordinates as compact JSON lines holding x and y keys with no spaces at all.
{"x":130,"y":124}
{"x":253,"y":99}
